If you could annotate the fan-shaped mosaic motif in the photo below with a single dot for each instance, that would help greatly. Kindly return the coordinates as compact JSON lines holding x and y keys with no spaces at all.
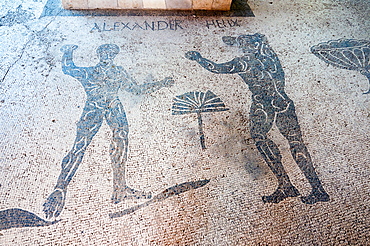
{"x":346,"y":53}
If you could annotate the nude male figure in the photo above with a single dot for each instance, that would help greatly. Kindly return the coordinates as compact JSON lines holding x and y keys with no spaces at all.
{"x":101,"y":84}
{"x":261,"y":70}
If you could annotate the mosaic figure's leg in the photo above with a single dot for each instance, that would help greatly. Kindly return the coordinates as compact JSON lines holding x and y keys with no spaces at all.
{"x":87,"y":127}
{"x":261,"y":123}
{"x":117,"y":121}
{"x":288,"y":125}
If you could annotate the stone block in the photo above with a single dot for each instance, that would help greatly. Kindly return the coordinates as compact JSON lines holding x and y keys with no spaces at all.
{"x":221,"y":5}
{"x":202,"y":4}
{"x":102,"y":4}
{"x":148,"y":4}
{"x":75,"y":4}
{"x":154,"y":4}
{"x":130,"y":4}
{"x":179,"y":4}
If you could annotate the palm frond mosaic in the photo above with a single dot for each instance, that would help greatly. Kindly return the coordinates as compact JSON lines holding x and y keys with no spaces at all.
{"x":198,"y":102}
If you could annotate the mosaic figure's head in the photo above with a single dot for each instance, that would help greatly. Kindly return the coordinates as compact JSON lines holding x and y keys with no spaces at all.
{"x":107,"y":51}
{"x":248,"y":43}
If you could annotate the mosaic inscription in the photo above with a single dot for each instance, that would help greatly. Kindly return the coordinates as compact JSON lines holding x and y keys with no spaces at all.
{"x":261,"y":70}
{"x":173,"y":25}
{"x":222,"y":23}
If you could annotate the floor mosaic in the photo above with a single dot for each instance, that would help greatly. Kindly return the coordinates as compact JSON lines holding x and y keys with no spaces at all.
{"x":245,"y":127}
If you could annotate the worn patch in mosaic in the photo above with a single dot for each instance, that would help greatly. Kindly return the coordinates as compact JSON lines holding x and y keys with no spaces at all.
{"x":18,"y":16}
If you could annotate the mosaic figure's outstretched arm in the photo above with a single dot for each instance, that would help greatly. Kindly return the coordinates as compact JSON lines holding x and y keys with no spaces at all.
{"x":132,"y":86}
{"x":236,"y":65}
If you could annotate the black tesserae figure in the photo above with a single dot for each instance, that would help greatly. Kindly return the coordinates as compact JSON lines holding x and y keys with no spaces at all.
{"x":101,"y":83}
{"x":261,"y":70}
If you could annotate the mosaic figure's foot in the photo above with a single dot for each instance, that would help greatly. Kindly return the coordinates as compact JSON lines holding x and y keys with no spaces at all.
{"x":280,"y":194}
{"x":129,"y":193}
{"x":54,"y":204}
{"x":315,"y":196}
